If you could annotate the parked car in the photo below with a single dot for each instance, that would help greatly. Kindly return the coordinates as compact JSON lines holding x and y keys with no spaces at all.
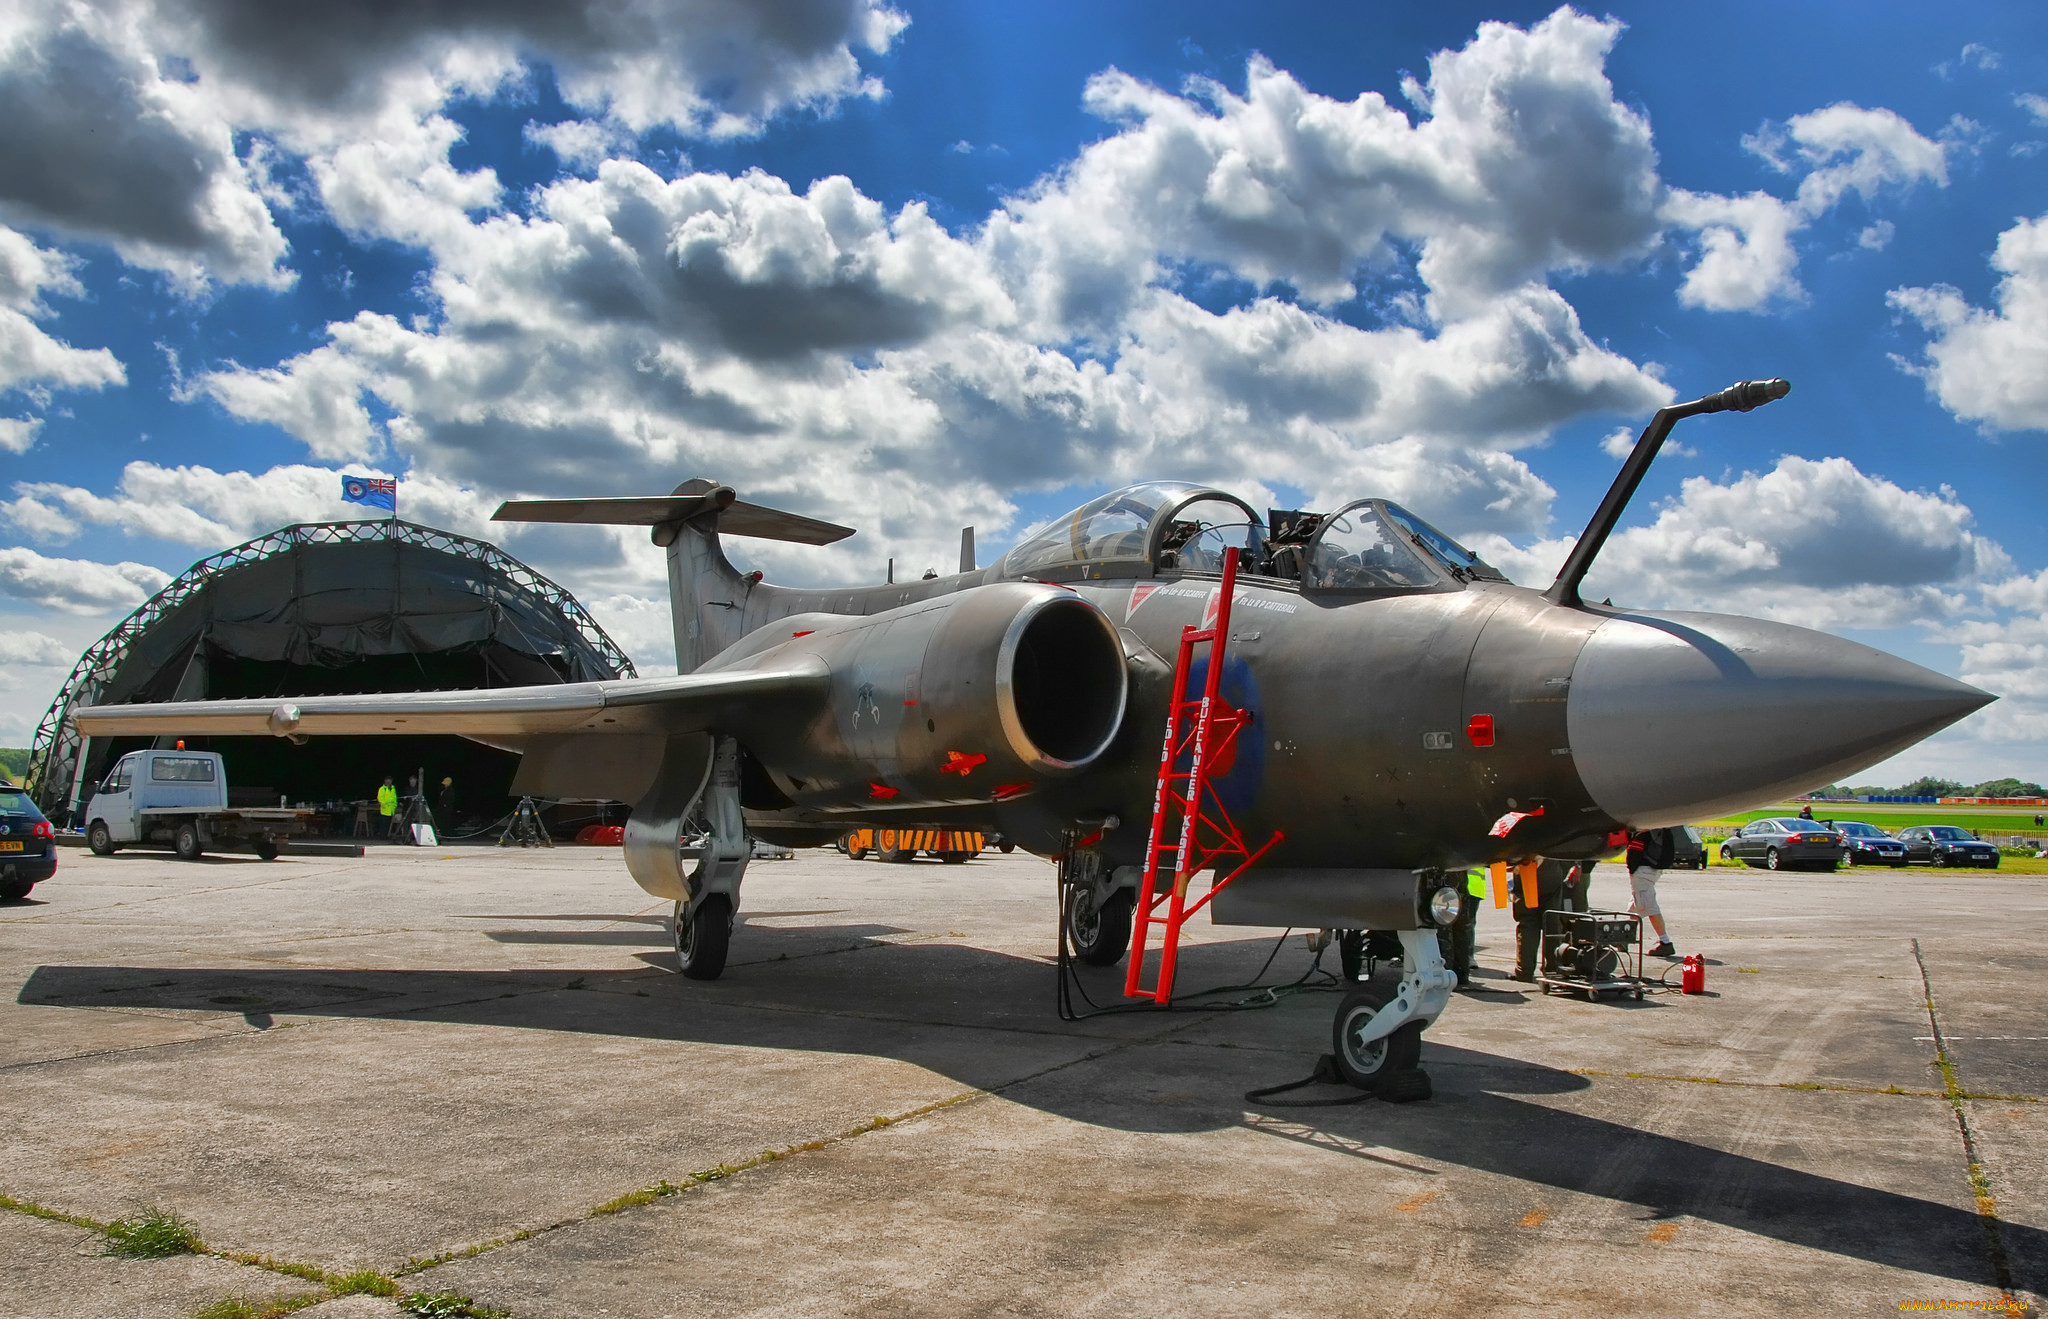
{"x":1947,"y":845}
{"x":1688,"y":849}
{"x":1785,"y":844}
{"x":1868,"y":844}
{"x":28,"y":846}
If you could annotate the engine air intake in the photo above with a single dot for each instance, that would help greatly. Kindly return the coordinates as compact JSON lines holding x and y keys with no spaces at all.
{"x":1061,"y":683}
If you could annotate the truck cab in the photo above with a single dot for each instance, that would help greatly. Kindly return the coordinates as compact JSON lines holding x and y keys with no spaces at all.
{"x":154,"y":780}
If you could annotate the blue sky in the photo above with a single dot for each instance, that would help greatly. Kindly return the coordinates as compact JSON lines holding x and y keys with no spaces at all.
{"x":509,"y":249}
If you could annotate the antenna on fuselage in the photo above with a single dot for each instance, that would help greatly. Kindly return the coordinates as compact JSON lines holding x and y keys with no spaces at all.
{"x":967,"y":549}
{"x":1744,"y":396}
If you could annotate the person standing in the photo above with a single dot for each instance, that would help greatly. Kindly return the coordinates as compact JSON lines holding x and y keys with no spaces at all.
{"x":1557,"y":885}
{"x":387,"y":804}
{"x":1649,"y":855}
{"x":1464,"y":930}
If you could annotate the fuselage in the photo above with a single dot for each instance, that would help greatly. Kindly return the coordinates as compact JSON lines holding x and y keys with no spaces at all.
{"x":1398,"y":728}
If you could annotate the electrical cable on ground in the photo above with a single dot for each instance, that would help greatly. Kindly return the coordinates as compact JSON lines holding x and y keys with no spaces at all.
{"x":1257,"y":996}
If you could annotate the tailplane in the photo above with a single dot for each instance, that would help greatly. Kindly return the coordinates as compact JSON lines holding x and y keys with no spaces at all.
{"x":706,"y":593}
{"x":733,"y":516}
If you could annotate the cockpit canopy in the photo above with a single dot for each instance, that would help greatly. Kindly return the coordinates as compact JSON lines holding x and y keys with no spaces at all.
{"x":1172,"y":527}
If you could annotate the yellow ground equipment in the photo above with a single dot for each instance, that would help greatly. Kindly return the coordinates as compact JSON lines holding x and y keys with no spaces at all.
{"x":952,"y":846}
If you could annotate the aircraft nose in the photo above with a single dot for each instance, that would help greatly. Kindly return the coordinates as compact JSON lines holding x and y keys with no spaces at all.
{"x":1681,"y":717}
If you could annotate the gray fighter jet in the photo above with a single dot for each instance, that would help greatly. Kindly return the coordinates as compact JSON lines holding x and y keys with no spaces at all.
{"x":1410,"y":712}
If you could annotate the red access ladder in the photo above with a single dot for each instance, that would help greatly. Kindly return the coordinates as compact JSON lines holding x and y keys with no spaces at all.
{"x":1198,"y":732}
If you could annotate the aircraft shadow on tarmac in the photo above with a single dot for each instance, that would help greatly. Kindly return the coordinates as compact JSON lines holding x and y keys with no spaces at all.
{"x":984,"y":1018}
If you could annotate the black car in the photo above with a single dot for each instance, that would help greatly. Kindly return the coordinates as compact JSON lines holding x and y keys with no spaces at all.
{"x":1947,"y":845}
{"x":28,"y":846}
{"x":1785,"y":844}
{"x":1868,"y":844}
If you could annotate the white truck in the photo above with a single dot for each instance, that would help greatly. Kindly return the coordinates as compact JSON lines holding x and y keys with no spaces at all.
{"x":181,"y":798}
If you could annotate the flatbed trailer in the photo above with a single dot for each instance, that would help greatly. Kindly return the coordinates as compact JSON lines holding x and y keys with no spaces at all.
{"x":179,"y":799}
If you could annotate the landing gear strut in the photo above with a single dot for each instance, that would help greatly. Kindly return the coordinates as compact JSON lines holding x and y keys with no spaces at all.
{"x":1376,"y":1038}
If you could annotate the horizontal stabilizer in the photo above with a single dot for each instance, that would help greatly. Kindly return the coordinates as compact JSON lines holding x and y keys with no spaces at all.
{"x":691,"y":702}
{"x":735,"y":517}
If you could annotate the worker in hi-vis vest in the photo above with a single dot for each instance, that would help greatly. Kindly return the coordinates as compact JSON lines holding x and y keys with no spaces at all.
{"x":387,"y":804}
{"x":1459,"y":955}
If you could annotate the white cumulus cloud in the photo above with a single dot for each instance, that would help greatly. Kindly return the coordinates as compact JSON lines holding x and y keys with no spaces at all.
{"x":1990,"y":366}
{"x":1815,"y":542}
{"x":76,"y":586}
{"x":1747,"y":258}
{"x":150,"y":124}
{"x":30,"y":359}
{"x":34,"y":649}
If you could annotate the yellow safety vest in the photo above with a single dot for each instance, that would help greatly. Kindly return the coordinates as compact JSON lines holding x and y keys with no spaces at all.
{"x":387,"y":800}
{"x":1475,"y":883}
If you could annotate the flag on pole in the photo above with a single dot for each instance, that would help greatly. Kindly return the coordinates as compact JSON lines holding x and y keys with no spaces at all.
{"x":377,"y":492}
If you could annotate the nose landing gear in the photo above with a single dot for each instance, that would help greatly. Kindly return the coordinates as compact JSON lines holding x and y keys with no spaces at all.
{"x":1376,"y":1036}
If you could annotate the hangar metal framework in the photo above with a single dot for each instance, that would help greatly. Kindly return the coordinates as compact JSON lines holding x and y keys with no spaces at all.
{"x":443,"y":592}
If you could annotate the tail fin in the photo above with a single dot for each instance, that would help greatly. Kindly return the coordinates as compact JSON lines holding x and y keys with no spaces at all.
{"x":707,"y":595}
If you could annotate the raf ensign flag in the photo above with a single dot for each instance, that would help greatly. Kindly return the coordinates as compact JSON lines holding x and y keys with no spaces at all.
{"x":371,"y":490}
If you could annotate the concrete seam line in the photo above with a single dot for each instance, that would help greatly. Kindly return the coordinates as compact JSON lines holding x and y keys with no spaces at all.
{"x":1780,"y":1085}
{"x":664,"y":1189}
{"x":218,"y":1037}
{"x":284,"y":1268}
{"x":1980,"y":1182}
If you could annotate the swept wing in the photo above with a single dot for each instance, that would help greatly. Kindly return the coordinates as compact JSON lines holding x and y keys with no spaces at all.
{"x":688,"y":703}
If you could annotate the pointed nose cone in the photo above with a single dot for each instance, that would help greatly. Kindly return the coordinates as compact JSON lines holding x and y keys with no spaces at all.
{"x":1680,"y":717}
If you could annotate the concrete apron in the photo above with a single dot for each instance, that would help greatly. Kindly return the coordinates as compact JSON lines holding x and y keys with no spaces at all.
{"x":361,"y":1063}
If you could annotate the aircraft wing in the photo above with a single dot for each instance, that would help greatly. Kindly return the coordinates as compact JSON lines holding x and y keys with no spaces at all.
{"x":688,"y":703}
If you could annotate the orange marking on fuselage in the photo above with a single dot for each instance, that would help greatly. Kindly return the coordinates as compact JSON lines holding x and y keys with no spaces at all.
{"x":961,"y":764}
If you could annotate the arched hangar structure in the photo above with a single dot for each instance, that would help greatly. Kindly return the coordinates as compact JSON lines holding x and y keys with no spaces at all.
{"x":328,"y":608}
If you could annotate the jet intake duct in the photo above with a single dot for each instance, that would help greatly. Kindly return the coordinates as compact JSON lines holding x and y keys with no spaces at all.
{"x":968,"y":699}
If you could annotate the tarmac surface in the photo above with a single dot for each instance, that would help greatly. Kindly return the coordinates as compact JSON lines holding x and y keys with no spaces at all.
{"x":458,"y":1067}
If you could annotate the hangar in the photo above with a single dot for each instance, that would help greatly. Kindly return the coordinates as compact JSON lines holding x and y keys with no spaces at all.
{"x":327,"y":608}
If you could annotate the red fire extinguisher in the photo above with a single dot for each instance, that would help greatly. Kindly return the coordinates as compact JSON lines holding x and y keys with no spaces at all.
{"x":1693,"y":980}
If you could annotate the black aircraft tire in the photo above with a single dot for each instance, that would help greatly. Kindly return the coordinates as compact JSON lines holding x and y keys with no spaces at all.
{"x":1102,"y":936}
{"x":100,"y":839}
{"x":1365,"y":1066}
{"x":702,"y":939}
{"x":186,"y":843}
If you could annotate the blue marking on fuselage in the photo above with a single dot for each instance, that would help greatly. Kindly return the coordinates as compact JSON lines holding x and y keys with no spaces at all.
{"x":1239,"y":788}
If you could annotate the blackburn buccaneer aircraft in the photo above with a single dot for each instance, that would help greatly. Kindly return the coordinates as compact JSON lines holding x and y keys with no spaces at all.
{"x":1394,"y":711}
